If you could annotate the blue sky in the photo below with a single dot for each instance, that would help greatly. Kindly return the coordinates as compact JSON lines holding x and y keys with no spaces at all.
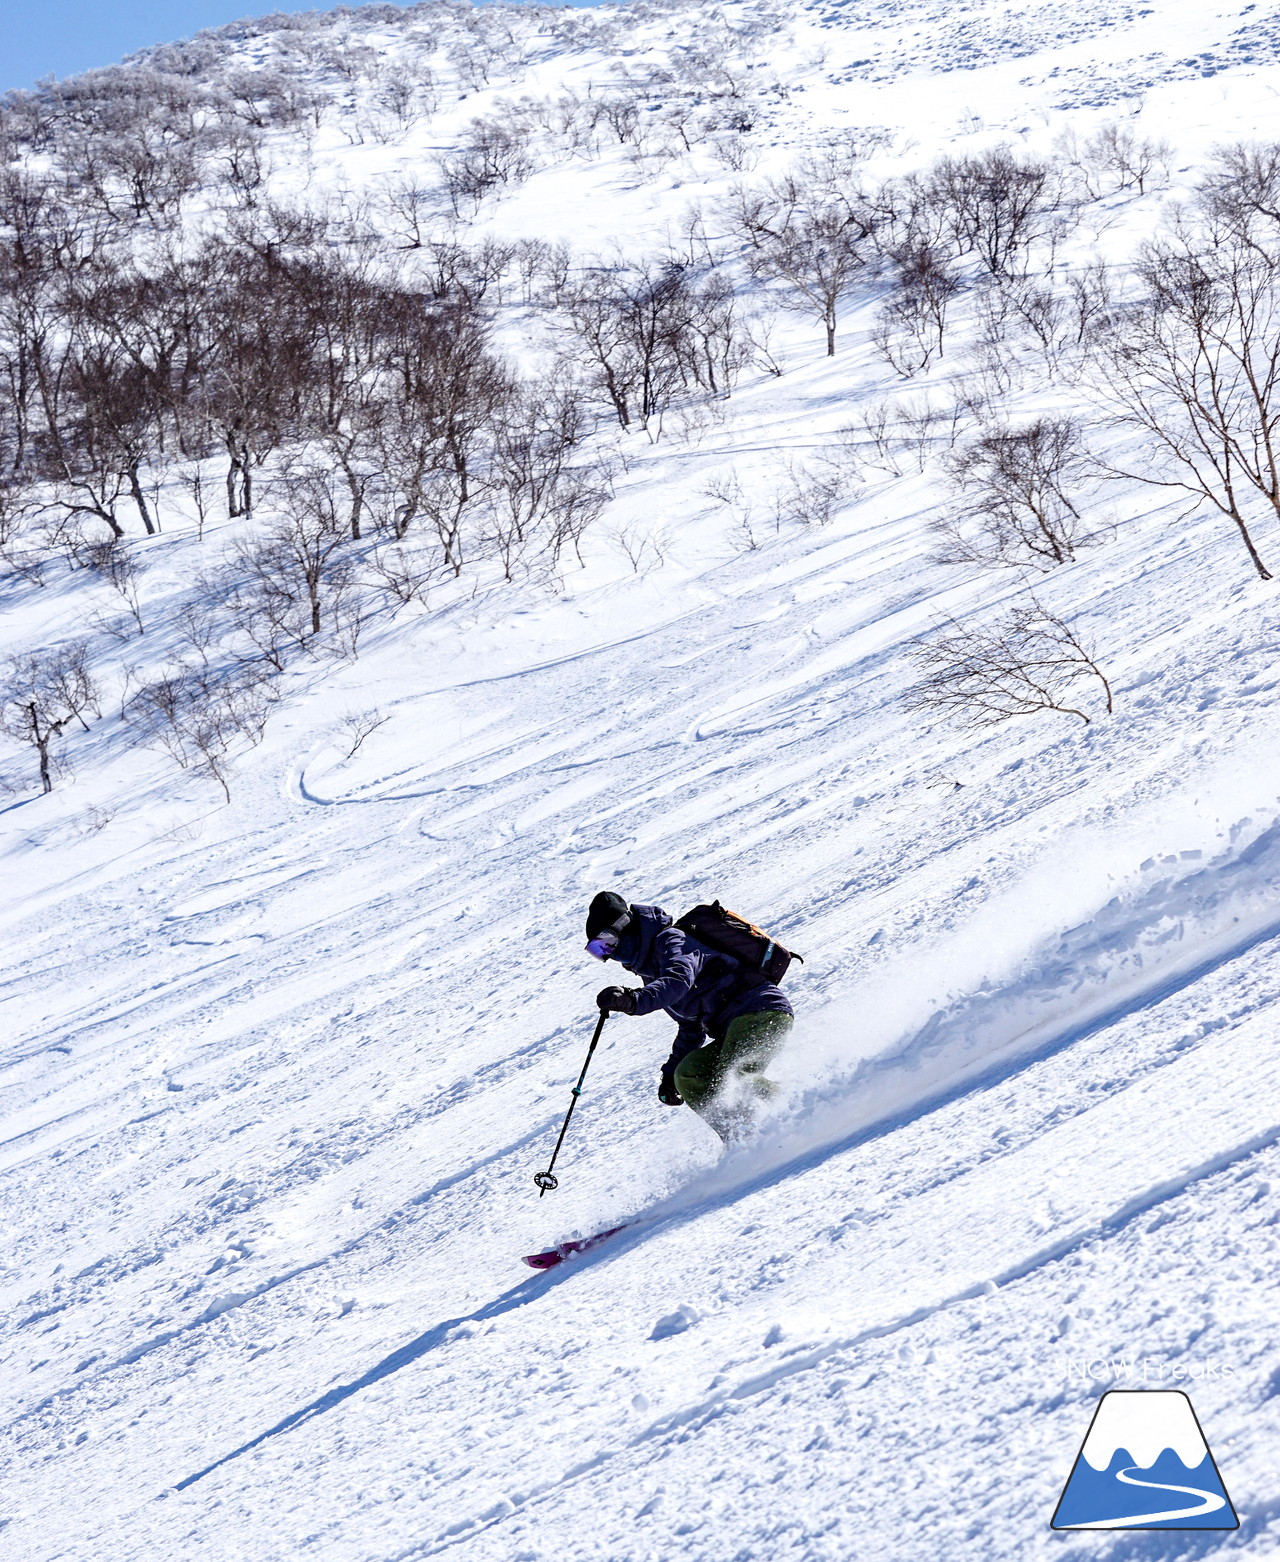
{"x":59,"y":37}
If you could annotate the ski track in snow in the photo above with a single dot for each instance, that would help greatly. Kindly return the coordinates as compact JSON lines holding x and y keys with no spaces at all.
{"x":276,"y":1076}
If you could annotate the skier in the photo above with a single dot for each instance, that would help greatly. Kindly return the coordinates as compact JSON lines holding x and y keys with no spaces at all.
{"x":732,"y":1020}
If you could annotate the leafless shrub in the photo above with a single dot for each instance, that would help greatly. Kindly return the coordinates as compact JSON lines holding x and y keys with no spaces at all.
{"x":287,"y":585}
{"x":877,"y":427}
{"x":357,"y":726}
{"x":1024,"y":661}
{"x":992,"y":361}
{"x":197,"y":626}
{"x":621,"y":113}
{"x":684,"y":122}
{"x":810,"y":492}
{"x":474,"y":62}
{"x":899,"y":433}
{"x":405,"y":95}
{"x":457,"y":272}
{"x":242,"y":165}
{"x":199,"y":717}
{"x":410,"y":209}
{"x":733,"y":151}
{"x":757,"y":330}
{"x":403,"y":573}
{"x":639,"y":544}
{"x":1116,"y":158}
{"x":1093,"y":302}
{"x":261,"y":98}
{"x":717,"y":346}
{"x":922,"y":426}
{"x":1017,"y":500}
{"x":1058,"y":323}
{"x":912,"y":324}
{"x":725,"y":490}
{"x":836,"y":164}
{"x":533,"y":260}
{"x":141,"y":173}
{"x":19,"y":549}
{"x":112,"y":562}
{"x":492,"y":154}
{"x":545,"y":493}
{"x":40,"y":693}
{"x":697,"y":421}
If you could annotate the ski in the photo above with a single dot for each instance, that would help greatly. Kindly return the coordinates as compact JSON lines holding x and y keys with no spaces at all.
{"x":558,"y":1254}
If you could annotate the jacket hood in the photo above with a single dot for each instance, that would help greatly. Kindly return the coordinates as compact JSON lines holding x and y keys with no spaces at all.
{"x":637,"y":942}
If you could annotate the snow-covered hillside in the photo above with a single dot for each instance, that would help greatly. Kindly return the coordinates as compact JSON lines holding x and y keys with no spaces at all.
{"x":278,"y":1072}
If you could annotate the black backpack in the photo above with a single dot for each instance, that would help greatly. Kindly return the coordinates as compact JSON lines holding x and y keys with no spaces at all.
{"x":729,"y":934}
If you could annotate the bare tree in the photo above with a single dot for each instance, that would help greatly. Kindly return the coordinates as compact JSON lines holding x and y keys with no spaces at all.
{"x":996,"y":205}
{"x":877,"y":426}
{"x":410,"y":209}
{"x":1017,"y":501}
{"x":242,"y":165}
{"x":450,"y":390}
{"x":725,"y":489}
{"x":1195,"y":368}
{"x":404,"y":95}
{"x":717,"y":339}
{"x":261,"y":359}
{"x":200,"y":487}
{"x":296,"y":575}
{"x":17,"y":549}
{"x":542,"y":269}
{"x":403,"y":573}
{"x":111,"y":434}
{"x":1240,"y":193}
{"x":40,"y":693}
{"x":814,"y":244}
{"x":1024,"y":661}
{"x":633,"y":330}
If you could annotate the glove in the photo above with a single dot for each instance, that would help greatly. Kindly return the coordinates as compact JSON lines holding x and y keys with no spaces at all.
{"x":623,"y":999}
{"x":667,"y":1092}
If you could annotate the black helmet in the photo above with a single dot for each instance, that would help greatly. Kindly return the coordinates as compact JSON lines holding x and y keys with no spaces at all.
{"x":608,"y":913}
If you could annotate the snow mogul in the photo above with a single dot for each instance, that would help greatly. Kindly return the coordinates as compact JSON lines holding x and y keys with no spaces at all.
{"x":717,"y":976}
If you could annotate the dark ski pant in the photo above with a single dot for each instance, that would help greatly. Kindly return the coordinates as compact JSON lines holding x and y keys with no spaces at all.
{"x":738,"y":1059}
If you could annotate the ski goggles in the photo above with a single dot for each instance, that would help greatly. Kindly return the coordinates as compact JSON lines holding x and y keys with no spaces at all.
{"x":602,"y":945}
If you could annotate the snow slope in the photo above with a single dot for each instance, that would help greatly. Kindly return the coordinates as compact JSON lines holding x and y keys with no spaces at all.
{"x":278,"y":1074}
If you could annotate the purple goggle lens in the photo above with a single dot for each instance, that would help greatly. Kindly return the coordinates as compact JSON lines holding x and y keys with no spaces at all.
{"x":603,"y":945}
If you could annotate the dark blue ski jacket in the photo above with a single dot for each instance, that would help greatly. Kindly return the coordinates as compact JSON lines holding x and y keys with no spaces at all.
{"x":701,"y":989}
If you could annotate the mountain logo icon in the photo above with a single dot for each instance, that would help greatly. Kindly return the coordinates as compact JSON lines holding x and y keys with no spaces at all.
{"x":1144,"y":1464}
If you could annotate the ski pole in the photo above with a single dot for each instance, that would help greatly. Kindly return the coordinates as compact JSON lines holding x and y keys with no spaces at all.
{"x":545,"y":1180}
